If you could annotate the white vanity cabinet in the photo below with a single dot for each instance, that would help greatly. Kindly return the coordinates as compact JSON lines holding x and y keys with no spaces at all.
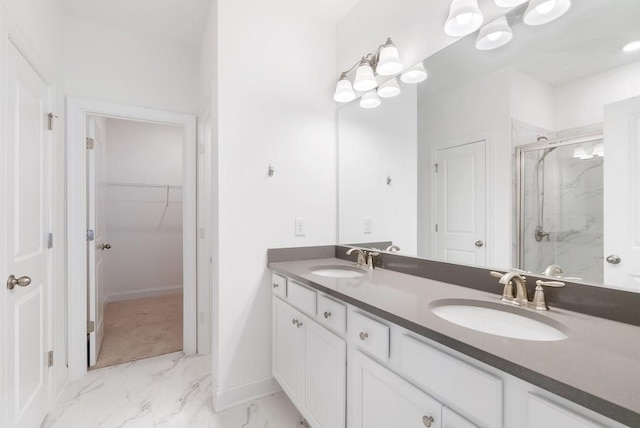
{"x":379,"y":398}
{"x":394,"y":377}
{"x":309,"y":361}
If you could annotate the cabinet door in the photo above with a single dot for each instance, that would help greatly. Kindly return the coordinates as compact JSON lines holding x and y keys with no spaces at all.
{"x":325,"y":377}
{"x":380,"y":398}
{"x":288,"y":349}
{"x":451,"y":419}
{"x":544,"y":413}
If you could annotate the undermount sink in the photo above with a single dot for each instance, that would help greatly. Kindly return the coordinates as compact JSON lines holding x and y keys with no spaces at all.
{"x":337,"y":271}
{"x":499,"y":319}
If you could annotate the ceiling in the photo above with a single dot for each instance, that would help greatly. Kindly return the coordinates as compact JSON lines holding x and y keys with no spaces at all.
{"x":179,"y":20}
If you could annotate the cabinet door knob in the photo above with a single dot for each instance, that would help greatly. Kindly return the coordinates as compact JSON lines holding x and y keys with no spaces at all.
{"x":298,"y":323}
{"x":363,"y":336}
{"x":427,"y":421}
{"x":327,"y":315}
{"x":294,"y":321}
{"x":275,"y":285}
{"x":479,"y":244}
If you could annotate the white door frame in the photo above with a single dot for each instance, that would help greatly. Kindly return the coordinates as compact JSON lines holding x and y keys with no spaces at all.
{"x":77,"y":111}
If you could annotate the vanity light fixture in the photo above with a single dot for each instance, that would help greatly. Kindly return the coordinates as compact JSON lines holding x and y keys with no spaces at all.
{"x":389,"y":89}
{"x":370,"y":100}
{"x":465,"y":17}
{"x":344,"y":91}
{"x":544,"y":11}
{"x":632,"y":47}
{"x":385,"y":62}
{"x":495,"y":34}
{"x":415,"y":74}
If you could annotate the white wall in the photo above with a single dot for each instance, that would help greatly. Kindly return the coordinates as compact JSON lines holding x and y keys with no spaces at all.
{"x":374,"y":144}
{"x":145,"y":235}
{"x":275,"y":81}
{"x":582,"y":101}
{"x":530,"y":100}
{"x":36,"y":24}
{"x":110,"y":64}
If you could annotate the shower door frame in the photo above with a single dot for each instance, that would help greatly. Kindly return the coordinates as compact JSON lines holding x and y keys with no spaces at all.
{"x":584,"y":137}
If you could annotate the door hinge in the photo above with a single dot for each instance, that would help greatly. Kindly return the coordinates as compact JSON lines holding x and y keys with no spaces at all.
{"x":91,"y":327}
{"x":436,"y":228}
{"x":90,"y":235}
{"x":435,"y":166}
{"x":50,"y":240}
{"x":51,"y":116}
{"x":90,"y":143}
{"x":50,"y":359}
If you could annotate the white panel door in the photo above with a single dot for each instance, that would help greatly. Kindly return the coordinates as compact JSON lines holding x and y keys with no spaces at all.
{"x":379,"y":398}
{"x":461,"y":204}
{"x":622,"y":194}
{"x":96,"y":221}
{"x":27,"y":181}
{"x":325,"y":377}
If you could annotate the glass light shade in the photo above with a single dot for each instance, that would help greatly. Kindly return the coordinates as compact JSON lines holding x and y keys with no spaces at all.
{"x":495,"y":34}
{"x":389,"y":89}
{"x":464,"y":17}
{"x":632,"y":47}
{"x":415,"y":74}
{"x":370,"y":100}
{"x":344,"y":91}
{"x":365,"y":80}
{"x":509,"y":3}
{"x":389,"y":61}
{"x":540,"y":12}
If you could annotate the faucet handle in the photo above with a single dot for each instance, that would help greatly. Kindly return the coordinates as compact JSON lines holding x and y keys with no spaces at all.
{"x":496,"y":274}
{"x":539,"y":302}
{"x":370,"y":262}
{"x":555,"y":284}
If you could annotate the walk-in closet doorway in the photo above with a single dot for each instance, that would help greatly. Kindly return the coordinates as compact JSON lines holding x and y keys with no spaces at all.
{"x":131,"y":233}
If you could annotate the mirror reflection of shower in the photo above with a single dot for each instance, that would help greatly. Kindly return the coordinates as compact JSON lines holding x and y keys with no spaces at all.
{"x":561,"y":208}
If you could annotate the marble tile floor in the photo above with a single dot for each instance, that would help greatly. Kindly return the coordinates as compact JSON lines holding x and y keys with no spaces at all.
{"x":169,"y":391}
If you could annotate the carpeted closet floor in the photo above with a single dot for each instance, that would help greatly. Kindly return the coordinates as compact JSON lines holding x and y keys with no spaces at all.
{"x":142,"y":328}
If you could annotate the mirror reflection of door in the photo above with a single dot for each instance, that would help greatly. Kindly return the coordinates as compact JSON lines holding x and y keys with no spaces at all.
{"x":622,"y":199}
{"x":460,"y":224}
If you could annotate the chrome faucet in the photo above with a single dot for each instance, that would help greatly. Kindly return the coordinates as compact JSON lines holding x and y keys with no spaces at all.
{"x":393,"y":248}
{"x":365,"y":258}
{"x":521,"y":299}
{"x":553,"y":270}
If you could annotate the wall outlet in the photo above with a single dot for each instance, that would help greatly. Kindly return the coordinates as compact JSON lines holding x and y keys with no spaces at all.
{"x":300,"y":226}
{"x":368,"y":225}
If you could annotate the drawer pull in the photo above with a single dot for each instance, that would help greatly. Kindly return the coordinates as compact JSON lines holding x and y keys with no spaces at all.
{"x":299,"y":324}
{"x":296,"y":322}
{"x":427,"y":421}
{"x":363,"y":336}
{"x":275,"y":285}
{"x":327,"y":315}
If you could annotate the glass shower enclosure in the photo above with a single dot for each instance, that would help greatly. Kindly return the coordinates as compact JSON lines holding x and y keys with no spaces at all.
{"x":560,"y":204}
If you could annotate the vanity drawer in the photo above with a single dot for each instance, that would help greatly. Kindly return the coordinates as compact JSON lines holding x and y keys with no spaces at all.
{"x":542,"y":411}
{"x":302,"y":298}
{"x":369,"y":334}
{"x":469,"y":390}
{"x":279,"y":285}
{"x":332,"y":314}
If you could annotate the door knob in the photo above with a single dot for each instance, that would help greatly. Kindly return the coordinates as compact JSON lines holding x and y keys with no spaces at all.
{"x":105,"y":247}
{"x":479,"y":244}
{"x":614,"y":259}
{"x":23,"y":281}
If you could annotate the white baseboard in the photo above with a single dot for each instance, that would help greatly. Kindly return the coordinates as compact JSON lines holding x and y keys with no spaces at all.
{"x":141,"y":294}
{"x":227,"y":398}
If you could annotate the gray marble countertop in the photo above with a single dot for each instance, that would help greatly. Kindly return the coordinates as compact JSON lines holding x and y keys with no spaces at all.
{"x":598,"y":366}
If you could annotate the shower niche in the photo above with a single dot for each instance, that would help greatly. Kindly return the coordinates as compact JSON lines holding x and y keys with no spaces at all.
{"x":560,"y":207}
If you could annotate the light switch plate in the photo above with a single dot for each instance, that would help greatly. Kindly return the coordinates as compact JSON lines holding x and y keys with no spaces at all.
{"x":368,"y":225}
{"x":300,"y":226}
